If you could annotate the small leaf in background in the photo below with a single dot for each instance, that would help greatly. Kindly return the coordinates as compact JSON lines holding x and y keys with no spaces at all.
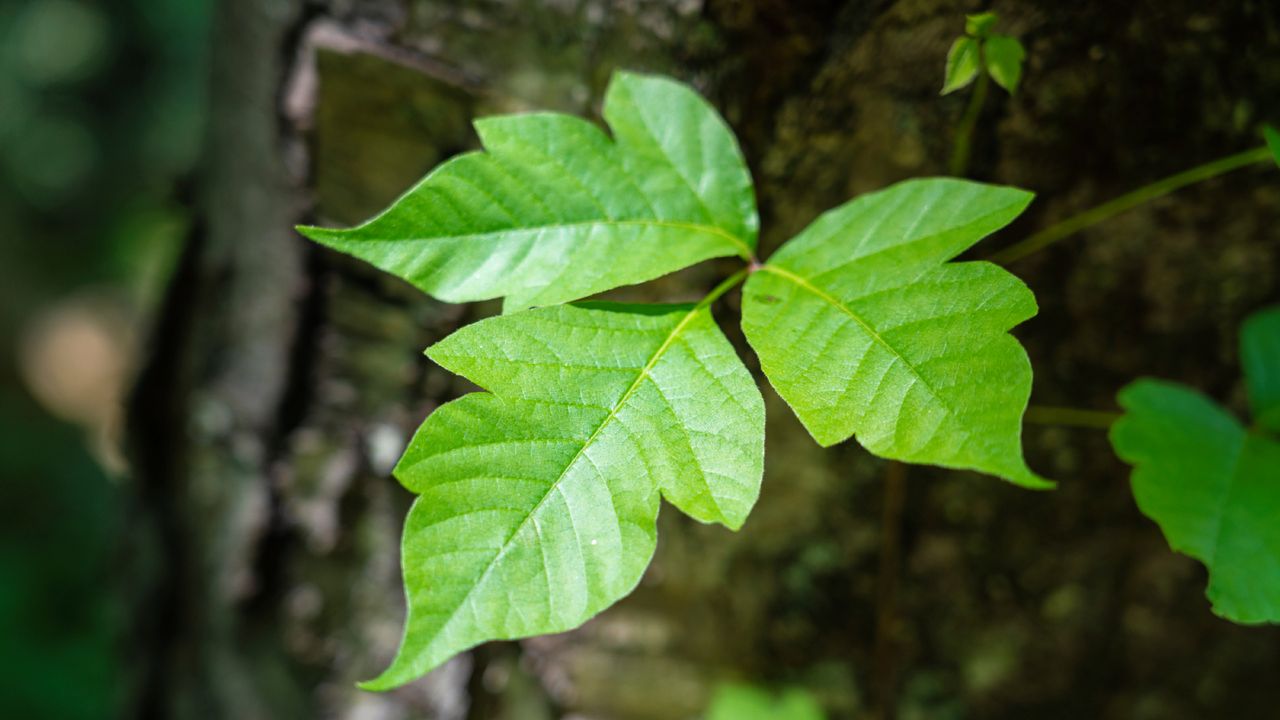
{"x":551,"y":207}
{"x":538,"y":500}
{"x":865,"y":329}
{"x":1214,"y":489}
{"x":1004,"y":61}
{"x":1212,"y":484}
{"x":963,"y":62}
{"x":746,"y":702}
{"x":980,"y":25}
{"x":1260,"y":358}
{"x":1273,"y":141}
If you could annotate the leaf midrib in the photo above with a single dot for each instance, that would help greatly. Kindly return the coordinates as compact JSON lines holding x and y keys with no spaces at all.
{"x":870,"y":330}
{"x":744,"y":250}
{"x":507,"y":544}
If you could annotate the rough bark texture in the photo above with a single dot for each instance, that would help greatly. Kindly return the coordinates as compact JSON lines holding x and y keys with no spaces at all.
{"x":285,"y":380}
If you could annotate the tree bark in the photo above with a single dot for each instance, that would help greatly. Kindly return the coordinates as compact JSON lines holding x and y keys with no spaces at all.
{"x":284,"y":380}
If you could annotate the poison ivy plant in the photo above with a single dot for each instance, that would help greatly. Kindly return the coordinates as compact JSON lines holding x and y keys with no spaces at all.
{"x":1211,"y":483}
{"x":537,"y":499}
{"x":979,"y":50}
{"x":747,"y":702}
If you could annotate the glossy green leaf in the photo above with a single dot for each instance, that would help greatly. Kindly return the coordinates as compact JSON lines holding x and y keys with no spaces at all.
{"x":553,"y":210}
{"x":865,"y":329}
{"x":745,"y":702}
{"x":963,"y":62}
{"x":538,"y":500}
{"x":1260,"y":358}
{"x":1214,"y":489}
{"x":1272,"y":137}
{"x":980,"y":25}
{"x":1004,"y":61}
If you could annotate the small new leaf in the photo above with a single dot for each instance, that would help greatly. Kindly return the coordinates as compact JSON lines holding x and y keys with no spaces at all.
{"x":964,"y":60}
{"x":1004,"y":57}
{"x":865,"y":329}
{"x":538,"y":500}
{"x":544,"y":214}
{"x":1214,"y":489}
{"x":980,"y":25}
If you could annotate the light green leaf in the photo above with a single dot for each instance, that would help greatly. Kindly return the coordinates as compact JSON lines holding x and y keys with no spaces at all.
{"x":864,"y":328}
{"x":1214,"y":489}
{"x":980,"y":25}
{"x":1260,"y":358}
{"x":1004,"y":61}
{"x":538,"y":500}
{"x":553,"y":210}
{"x":745,"y":702}
{"x":1272,"y":137}
{"x":963,"y":62}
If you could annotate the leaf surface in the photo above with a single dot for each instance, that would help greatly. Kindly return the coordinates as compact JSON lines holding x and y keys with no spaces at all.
{"x":554,"y":210}
{"x":538,"y":500}
{"x":1004,"y":61}
{"x":864,"y":328}
{"x":1214,"y":489}
{"x":963,"y":62}
{"x":1260,"y":358}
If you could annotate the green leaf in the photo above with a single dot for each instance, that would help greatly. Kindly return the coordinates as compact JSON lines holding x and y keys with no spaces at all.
{"x":1214,"y":489}
{"x":1004,"y":61}
{"x":864,"y":328}
{"x":1260,"y":357}
{"x":745,"y":702}
{"x":538,"y":500}
{"x":963,"y":62}
{"x":553,"y":210}
{"x":980,"y":25}
{"x":1273,"y":142}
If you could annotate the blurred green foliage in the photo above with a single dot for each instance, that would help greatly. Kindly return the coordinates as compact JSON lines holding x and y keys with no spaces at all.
{"x":101,"y":111}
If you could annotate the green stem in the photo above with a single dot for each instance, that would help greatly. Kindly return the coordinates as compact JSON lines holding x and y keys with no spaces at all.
{"x":1072,"y":417}
{"x":959,"y":166}
{"x":724,"y":287}
{"x":1107,"y":210}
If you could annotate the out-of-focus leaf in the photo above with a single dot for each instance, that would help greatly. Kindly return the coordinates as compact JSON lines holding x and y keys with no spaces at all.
{"x":745,"y":702}
{"x":1260,"y":358}
{"x":1214,"y":489}
{"x":980,"y":25}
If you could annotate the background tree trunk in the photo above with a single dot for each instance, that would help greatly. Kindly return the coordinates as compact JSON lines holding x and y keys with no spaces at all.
{"x":284,"y":380}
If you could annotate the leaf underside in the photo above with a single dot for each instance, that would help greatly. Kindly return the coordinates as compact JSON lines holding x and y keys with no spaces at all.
{"x":538,"y":500}
{"x":545,"y":214}
{"x":1214,"y":489}
{"x":865,"y":329}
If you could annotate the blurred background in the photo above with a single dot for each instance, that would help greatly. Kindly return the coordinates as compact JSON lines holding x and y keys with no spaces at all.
{"x":200,"y":411}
